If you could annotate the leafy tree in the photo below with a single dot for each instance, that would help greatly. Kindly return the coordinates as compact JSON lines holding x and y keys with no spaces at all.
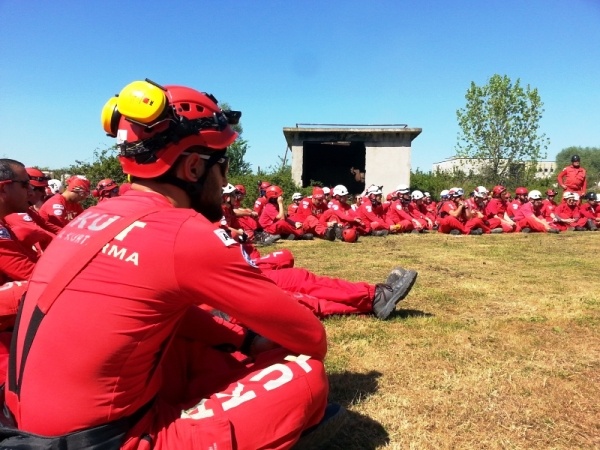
{"x":236,"y":152}
{"x":500,"y":124}
{"x":590,"y":161}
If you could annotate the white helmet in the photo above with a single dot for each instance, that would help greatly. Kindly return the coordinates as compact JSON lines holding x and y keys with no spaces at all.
{"x":482,"y":190}
{"x":426,"y":194}
{"x":444,"y":193}
{"x":535,"y":195}
{"x":297,"y":196}
{"x":402,"y":189}
{"x":340,"y":189}
{"x":417,"y":195}
{"x":478,"y":194}
{"x":568,"y":195}
{"x":55,"y":186}
{"x":374,"y":190}
{"x":326,"y":190}
{"x":229,"y":189}
{"x":576,"y":196}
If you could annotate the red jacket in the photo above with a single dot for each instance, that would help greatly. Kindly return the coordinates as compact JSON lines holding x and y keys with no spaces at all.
{"x":573,"y":179}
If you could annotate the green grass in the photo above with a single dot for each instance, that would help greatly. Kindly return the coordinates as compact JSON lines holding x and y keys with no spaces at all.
{"x":497,"y":346}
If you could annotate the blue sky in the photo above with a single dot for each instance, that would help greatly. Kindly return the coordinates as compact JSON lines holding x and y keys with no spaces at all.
{"x":287,"y":62}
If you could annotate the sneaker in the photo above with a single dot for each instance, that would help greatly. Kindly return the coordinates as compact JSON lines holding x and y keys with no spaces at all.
{"x":403,"y":279}
{"x":591,"y":225}
{"x":580,"y":229}
{"x":387,"y":296}
{"x":415,"y":231}
{"x":319,"y":435}
{"x":526,"y":230}
{"x":307,"y":237}
{"x":380,"y":233}
{"x":269,"y":239}
{"x":497,"y":231}
{"x":554,"y":230}
{"x":290,"y":237}
{"x":330,"y":234}
{"x":338,"y":232}
{"x":454,"y":232}
{"x":476,"y":232}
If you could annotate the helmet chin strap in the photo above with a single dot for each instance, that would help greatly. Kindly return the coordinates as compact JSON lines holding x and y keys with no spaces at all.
{"x":193,"y":189}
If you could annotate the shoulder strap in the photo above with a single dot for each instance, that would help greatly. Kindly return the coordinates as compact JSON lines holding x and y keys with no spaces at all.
{"x":55,"y":288}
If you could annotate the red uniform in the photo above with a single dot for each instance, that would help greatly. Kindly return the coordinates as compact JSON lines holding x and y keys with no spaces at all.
{"x":568,"y":211}
{"x":573,"y":179}
{"x":28,"y":233}
{"x":524,"y":217}
{"x":269,"y":222}
{"x":96,"y":357}
{"x":372,"y":216}
{"x":259,"y":204}
{"x":309,"y":214}
{"x":397,"y":215}
{"x":58,"y":211}
{"x":494,"y":212}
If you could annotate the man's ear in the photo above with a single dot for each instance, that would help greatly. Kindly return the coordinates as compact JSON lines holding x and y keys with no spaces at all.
{"x":192,"y":168}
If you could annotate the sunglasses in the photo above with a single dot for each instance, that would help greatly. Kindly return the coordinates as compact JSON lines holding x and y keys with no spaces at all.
{"x":24,"y":183}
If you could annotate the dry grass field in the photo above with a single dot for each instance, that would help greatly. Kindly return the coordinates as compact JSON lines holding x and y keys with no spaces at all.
{"x":496,"y":347}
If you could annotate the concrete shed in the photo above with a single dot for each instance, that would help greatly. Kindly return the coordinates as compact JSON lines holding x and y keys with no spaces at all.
{"x":326,"y":153}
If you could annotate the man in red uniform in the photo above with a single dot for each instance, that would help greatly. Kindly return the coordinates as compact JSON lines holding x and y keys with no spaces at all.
{"x":261,"y":201}
{"x":309,"y":213}
{"x":60,"y":209}
{"x":292,"y":208}
{"x":98,"y":355}
{"x":274,"y":221}
{"x":591,"y":211}
{"x":342,"y":212}
{"x":16,"y":259}
{"x":106,"y":189}
{"x":573,"y":178}
{"x":371,"y":212}
{"x":247,"y":217}
{"x":455,"y":216}
{"x":495,"y":211}
{"x":528,"y":215}
{"x":568,"y":216}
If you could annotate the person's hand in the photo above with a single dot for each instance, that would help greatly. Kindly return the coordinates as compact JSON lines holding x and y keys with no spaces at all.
{"x":280,"y":200}
{"x":298,"y":225}
{"x":254,"y":214}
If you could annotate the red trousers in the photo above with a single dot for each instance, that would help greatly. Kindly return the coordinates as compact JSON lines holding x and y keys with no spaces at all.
{"x":325,"y":296}
{"x":232,"y":404}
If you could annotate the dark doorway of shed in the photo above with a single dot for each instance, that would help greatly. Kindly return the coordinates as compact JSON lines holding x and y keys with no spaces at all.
{"x":330,"y":163}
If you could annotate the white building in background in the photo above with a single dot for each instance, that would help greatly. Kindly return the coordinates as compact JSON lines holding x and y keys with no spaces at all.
{"x":545,"y":169}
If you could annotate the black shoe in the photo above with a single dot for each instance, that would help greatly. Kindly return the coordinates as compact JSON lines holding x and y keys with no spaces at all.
{"x":580,"y":229}
{"x":497,"y":231}
{"x":387,"y":297}
{"x":403,"y":279}
{"x":454,"y":232}
{"x":307,"y":237}
{"x":526,"y":230}
{"x":269,"y":239}
{"x":415,"y":231}
{"x":338,"y":231}
{"x":318,"y":436}
{"x":476,"y":232}
{"x":329,"y":234}
{"x":591,"y":225}
{"x":554,"y":230}
{"x":380,"y":233}
{"x":291,"y":237}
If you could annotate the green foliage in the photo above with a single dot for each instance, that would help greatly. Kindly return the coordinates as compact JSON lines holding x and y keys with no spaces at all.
{"x":499,"y":125}
{"x":280,"y":175}
{"x":590,"y":161}
{"x":237,"y":151}
{"x":435,"y":182}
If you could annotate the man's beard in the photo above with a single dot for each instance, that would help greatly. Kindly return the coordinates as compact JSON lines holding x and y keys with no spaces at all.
{"x":213,"y":213}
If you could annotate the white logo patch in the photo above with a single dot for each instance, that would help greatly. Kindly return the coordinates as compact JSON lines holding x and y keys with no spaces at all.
{"x":246,"y":256}
{"x":227,"y":240}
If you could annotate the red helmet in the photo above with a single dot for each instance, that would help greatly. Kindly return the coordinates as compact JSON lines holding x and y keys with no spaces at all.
{"x":521,"y":191}
{"x":240,"y":188}
{"x":273,"y":192}
{"x":154,"y":125}
{"x":349,"y":235}
{"x":37,"y":178}
{"x":497,"y":190}
{"x":551,"y":192}
{"x":78,"y":183}
{"x":264,"y":185}
{"x":105,"y":187}
{"x":318,"y":192}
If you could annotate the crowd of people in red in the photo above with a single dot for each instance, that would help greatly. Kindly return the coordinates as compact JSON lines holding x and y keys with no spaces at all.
{"x":328,"y":214}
